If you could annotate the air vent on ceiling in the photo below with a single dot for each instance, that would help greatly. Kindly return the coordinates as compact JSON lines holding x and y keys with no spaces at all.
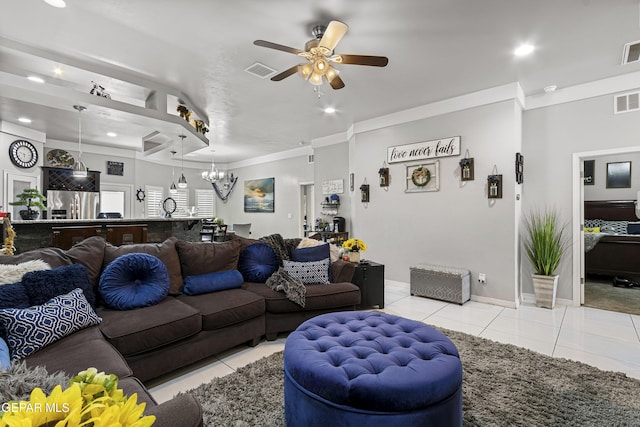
{"x":260,"y":70}
{"x":626,"y":102}
{"x":631,"y":52}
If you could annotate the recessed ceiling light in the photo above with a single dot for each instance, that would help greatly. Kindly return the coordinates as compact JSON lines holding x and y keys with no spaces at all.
{"x":56,"y":3}
{"x":112,"y":134}
{"x":550,"y":88}
{"x":524,"y":49}
{"x":329,"y":110}
{"x":36,"y":79}
{"x":57,"y":71}
{"x":24,"y":119}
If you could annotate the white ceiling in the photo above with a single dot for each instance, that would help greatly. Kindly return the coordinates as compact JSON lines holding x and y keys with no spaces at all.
{"x":437,"y":49}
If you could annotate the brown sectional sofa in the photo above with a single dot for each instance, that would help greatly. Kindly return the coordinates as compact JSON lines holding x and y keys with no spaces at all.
{"x":142,"y":344}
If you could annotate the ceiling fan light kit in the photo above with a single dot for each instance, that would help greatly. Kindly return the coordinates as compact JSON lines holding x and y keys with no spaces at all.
{"x":319,"y":52}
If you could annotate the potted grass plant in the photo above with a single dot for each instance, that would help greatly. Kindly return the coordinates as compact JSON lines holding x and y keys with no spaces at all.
{"x":545,"y":244}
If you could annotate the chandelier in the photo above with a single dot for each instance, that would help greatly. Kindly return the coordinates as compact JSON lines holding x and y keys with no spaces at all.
{"x":221,"y":181}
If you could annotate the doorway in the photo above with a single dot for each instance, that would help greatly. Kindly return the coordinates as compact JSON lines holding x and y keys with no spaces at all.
{"x":598,"y":291}
{"x":307,"y":208}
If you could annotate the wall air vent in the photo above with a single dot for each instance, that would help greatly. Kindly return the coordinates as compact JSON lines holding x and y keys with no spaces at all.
{"x":626,"y":102}
{"x":310,"y":158}
{"x":260,"y":70}
{"x":631,"y":52}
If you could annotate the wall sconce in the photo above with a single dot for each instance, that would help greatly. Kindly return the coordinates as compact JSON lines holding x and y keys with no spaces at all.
{"x":364,"y":192}
{"x":466,"y":167}
{"x":519,"y":168}
{"x":494,"y":183}
{"x":383,"y":172}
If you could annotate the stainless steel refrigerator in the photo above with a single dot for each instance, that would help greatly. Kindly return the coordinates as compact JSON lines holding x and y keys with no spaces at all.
{"x":72,"y":204}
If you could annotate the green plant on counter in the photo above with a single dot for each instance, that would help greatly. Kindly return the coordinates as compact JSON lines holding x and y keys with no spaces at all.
{"x":30,"y":197}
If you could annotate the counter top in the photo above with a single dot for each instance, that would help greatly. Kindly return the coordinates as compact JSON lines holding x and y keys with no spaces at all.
{"x":103,"y":220}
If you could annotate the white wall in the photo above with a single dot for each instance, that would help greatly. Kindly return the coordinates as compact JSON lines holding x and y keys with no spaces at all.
{"x":332,"y":163}
{"x":551,"y":135}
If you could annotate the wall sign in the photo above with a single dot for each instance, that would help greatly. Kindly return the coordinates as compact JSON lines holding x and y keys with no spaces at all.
{"x":444,"y":147}
{"x":115,"y":168}
{"x":335,"y":186}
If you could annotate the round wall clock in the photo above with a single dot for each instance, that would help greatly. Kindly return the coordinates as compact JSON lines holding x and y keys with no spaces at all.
{"x":23,"y":154}
{"x":140,"y":195}
{"x":169,"y":206}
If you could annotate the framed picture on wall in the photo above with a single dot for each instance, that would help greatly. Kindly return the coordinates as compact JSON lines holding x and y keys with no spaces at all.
{"x":259,"y":195}
{"x":589,"y":168}
{"x":619,"y":175}
{"x":423,"y":177}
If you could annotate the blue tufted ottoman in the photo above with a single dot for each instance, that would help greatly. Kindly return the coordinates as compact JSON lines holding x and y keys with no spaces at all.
{"x":368,"y":369}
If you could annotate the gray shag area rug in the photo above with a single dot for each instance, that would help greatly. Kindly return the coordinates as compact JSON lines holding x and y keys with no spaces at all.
{"x":18,"y":382}
{"x":503,"y":385}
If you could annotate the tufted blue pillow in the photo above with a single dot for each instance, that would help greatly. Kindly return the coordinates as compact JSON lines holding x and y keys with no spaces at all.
{"x":212,"y":282}
{"x":313,"y":253}
{"x":5,"y":356}
{"x":133,"y":281}
{"x":258,"y":262}
{"x":30,"y":329}
{"x":309,"y":273}
{"x":43,"y":285}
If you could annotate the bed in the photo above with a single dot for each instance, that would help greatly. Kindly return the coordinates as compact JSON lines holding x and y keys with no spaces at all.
{"x":617,"y":250}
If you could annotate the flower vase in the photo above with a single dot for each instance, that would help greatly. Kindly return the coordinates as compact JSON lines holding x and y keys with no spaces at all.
{"x":354,"y":256}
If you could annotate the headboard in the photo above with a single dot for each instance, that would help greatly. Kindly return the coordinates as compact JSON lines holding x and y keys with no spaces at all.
{"x":611,"y":210}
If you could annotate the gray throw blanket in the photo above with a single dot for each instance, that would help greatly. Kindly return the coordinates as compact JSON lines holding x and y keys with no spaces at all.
{"x":293,"y":288}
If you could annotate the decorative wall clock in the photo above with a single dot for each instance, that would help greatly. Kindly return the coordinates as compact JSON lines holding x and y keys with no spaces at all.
{"x":23,"y":154}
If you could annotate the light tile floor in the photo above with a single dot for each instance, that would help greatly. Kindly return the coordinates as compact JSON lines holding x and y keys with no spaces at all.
{"x":607,"y":340}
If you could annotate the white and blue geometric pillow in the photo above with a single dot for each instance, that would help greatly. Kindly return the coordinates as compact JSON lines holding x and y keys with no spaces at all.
{"x":309,"y":273}
{"x":30,"y":329}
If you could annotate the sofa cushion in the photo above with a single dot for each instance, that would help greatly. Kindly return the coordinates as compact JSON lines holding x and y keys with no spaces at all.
{"x":53,"y":256}
{"x":207,"y":257}
{"x":309,"y":273}
{"x":338,"y":295}
{"x":212,"y":282}
{"x":225,"y":308}
{"x":277,"y":243}
{"x":311,"y":253}
{"x":90,"y":253}
{"x":134,"y":281}
{"x":12,"y":273}
{"x":257,"y":262}
{"x":43,"y":285}
{"x":81,"y":350}
{"x":30,"y":329}
{"x":148,"y":328}
{"x":14,"y":295}
{"x":165,"y":251}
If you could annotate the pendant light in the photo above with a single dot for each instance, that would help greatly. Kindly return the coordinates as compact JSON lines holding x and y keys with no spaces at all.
{"x":173,"y":189}
{"x":79,"y":168}
{"x":182,"y":181}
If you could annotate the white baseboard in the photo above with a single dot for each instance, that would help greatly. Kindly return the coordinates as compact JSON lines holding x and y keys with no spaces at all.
{"x":493,"y":301}
{"x":396,"y":284}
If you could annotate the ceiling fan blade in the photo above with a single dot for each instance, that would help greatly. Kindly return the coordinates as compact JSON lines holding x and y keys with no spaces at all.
{"x":374,"y":61}
{"x":333,"y":34}
{"x":276,"y":46}
{"x":286,"y":73}
{"x":337,"y":83}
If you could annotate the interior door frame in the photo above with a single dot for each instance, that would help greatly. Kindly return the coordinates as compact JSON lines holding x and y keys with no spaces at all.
{"x":9,"y":179}
{"x":577,"y":234}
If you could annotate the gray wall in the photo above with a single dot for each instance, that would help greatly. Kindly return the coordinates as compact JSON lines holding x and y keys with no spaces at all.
{"x":599,"y":190}
{"x":331,"y":163}
{"x":457,"y":226}
{"x":550,"y":136}
{"x":288,"y":174}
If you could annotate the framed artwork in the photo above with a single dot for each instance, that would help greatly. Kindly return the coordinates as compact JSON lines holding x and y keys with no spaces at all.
{"x":115,"y":168}
{"x":589,"y":167}
{"x":259,"y":195}
{"x":423,"y":177}
{"x":619,"y":175}
{"x":494,"y":186}
{"x":467,"y":169}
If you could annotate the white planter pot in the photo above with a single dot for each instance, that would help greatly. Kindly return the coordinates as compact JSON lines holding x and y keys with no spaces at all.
{"x":545,"y":288}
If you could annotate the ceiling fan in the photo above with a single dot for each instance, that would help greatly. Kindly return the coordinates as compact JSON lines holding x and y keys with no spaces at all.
{"x":320,"y":56}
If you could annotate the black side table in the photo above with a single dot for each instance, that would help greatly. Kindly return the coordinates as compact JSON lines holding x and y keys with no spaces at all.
{"x":369,"y":277}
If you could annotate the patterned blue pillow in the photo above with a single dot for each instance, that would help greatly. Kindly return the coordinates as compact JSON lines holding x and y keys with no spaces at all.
{"x":33,"y":328}
{"x":309,"y":273}
{"x":5,"y":357}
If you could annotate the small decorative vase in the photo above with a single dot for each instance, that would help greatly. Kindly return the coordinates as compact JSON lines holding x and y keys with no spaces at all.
{"x":354,"y":256}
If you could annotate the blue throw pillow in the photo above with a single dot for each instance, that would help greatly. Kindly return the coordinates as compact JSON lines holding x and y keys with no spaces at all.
{"x":633,"y":228}
{"x":309,"y":273}
{"x":5,"y":357}
{"x":133,"y":281}
{"x":258,"y":262}
{"x":212,"y":282}
{"x":30,"y":329}
{"x":312,"y":253}
{"x":14,"y":295}
{"x":43,"y":285}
